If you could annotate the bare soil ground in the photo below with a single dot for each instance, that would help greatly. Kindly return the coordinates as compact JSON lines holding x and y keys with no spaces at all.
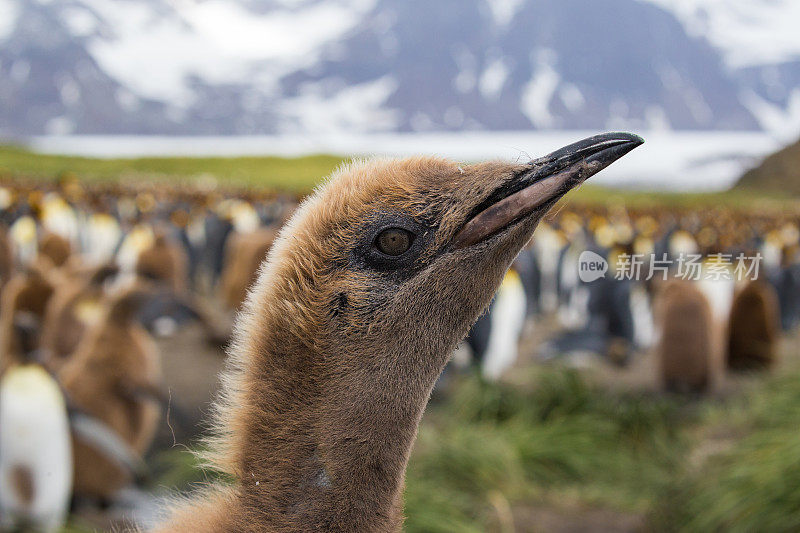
{"x":191,"y":369}
{"x":576,"y":519}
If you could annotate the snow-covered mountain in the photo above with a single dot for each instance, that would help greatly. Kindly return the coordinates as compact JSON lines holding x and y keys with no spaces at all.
{"x":274,"y":66}
{"x":759,"y":42}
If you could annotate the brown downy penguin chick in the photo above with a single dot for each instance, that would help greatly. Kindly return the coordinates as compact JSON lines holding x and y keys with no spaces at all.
{"x":22,"y":310}
{"x":76,"y":305}
{"x":685,"y":349}
{"x":56,"y":248}
{"x":6,"y":258}
{"x":363,"y":298}
{"x":753,"y":328}
{"x":111,"y":377}
{"x":165,"y":262}
{"x":243,"y":257}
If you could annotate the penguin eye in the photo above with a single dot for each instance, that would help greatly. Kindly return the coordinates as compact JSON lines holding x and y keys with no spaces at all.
{"x":394,"y":241}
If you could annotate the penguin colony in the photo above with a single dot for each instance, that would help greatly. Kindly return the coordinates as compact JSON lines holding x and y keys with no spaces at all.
{"x":88,"y":276}
{"x":84,"y":271}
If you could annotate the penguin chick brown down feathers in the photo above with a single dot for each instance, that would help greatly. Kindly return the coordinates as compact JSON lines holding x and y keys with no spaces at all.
{"x":114,"y":360}
{"x":23,"y":303}
{"x":686,"y":346}
{"x":363,"y":298}
{"x":164,"y":261}
{"x":56,"y":248}
{"x":243,"y":257}
{"x":753,"y":327}
{"x":6,"y":258}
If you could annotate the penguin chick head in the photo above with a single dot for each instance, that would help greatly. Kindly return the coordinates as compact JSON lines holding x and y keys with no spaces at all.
{"x":394,"y":259}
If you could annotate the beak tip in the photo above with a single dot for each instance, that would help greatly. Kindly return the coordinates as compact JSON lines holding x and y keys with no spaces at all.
{"x":629,"y":137}
{"x":610,"y":147}
{"x":545,"y":180}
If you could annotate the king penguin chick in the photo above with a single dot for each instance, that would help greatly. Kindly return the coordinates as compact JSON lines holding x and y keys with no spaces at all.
{"x":243,"y":257}
{"x":753,"y":327}
{"x":56,"y":248}
{"x":363,"y":298}
{"x":111,"y":377}
{"x":23,"y":304}
{"x":164,"y":262}
{"x":76,"y":305}
{"x":6,"y":258}
{"x":685,"y":347}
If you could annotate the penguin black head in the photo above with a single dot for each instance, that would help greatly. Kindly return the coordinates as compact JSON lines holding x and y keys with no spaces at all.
{"x":401,"y":256}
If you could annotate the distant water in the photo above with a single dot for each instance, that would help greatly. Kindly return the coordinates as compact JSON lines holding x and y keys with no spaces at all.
{"x":667,"y":161}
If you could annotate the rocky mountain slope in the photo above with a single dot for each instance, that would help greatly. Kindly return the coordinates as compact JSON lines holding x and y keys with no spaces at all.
{"x":272,"y":66}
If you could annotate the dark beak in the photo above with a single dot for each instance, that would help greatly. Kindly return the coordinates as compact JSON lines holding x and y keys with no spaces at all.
{"x":542,"y":183}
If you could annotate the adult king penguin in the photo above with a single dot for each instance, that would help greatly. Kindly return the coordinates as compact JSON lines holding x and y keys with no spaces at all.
{"x":363,"y":298}
{"x":35,"y":451}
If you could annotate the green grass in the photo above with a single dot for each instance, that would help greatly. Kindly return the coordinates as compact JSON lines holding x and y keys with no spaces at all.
{"x":748,"y":200}
{"x":564,"y":443}
{"x":291,"y":174}
{"x":301,"y":174}
{"x":563,"y":439}
{"x":752,"y":485}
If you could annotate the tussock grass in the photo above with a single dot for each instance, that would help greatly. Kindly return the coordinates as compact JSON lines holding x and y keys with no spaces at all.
{"x":562,"y":442}
{"x":753,"y":485}
{"x":562,"y":437}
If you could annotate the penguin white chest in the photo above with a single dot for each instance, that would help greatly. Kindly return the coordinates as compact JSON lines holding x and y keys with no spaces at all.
{"x":35,"y":450}
{"x":720,"y":295}
{"x":102,"y":236}
{"x":507,"y":322}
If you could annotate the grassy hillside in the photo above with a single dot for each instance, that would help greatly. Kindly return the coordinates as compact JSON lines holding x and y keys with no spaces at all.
{"x":779,"y":173}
